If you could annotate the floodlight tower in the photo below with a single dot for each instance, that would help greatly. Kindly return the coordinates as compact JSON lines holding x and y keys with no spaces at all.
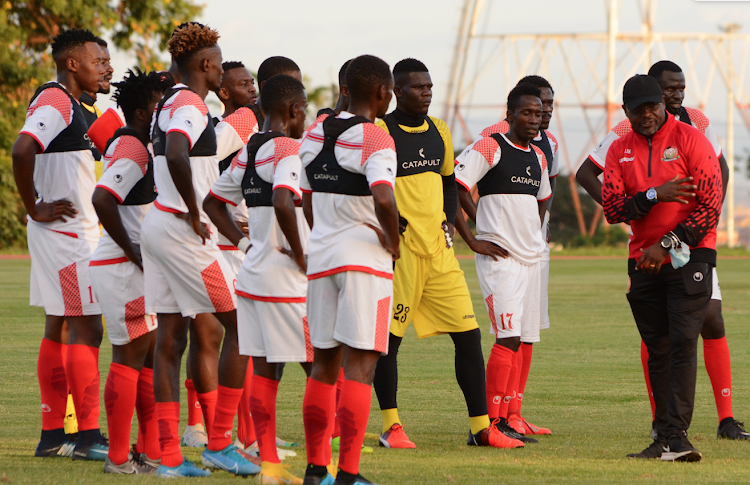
{"x":588,"y":71}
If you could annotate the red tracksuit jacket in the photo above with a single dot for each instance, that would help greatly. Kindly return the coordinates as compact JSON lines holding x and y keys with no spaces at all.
{"x":634,"y":164}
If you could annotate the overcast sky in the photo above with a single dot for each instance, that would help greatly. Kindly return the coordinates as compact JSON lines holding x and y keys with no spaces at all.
{"x":321,"y":35}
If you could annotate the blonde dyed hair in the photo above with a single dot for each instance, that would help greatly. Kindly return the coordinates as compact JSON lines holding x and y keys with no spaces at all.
{"x":191,"y":38}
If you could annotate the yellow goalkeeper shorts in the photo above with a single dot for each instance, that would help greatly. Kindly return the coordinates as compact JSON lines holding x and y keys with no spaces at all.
{"x":432,"y":293}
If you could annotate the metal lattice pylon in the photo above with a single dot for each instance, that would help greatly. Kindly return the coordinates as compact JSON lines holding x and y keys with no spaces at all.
{"x":588,"y":71}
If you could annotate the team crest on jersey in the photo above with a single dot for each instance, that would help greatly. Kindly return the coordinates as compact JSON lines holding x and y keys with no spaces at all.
{"x":670,"y":155}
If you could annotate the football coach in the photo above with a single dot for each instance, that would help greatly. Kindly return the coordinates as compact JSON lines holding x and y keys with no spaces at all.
{"x":664,"y":180}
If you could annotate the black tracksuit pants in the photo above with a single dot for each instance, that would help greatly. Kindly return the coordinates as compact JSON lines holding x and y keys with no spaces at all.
{"x":669,"y":309}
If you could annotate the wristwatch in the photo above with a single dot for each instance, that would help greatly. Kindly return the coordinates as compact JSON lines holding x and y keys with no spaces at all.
{"x":651,"y":195}
{"x":666,"y":242}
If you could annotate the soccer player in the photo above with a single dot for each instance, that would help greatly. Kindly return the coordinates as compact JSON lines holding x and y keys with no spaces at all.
{"x":671,"y":79}
{"x":342,"y":102}
{"x":88,"y":100}
{"x":513,"y":184}
{"x":429,"y":287}
{"x":347,"y":182}
{"x":547,"y":143}
{"x":277,"y":65}
{"x":237,"y":88}
{"x":271,"y":313}
{"x":186,"y":276}
{"x":54,"y":171}
{"x":661,"y":161}
{"x":122,"y":197}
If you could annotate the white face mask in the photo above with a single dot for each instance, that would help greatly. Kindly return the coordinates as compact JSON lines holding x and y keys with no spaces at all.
{"x":680,"y":256}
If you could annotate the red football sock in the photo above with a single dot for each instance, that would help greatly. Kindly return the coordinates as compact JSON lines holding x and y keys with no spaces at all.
{"x":339,"y":386}
{"x":227,"y":401}
{"x":83,"y":380}
{"x":119,"y":401}
{"x":148,"y":430}
{"x":354,"y":410}
{"x":245,"y":429}
{"x":719,"y":368}
{"x":498,"y":370}
{"x":50,"y":368}
{"x":644,"y":363}
{"x":318,"y":414}
{"x":195,"y":414}
{"x":263,"y":409}
{"x":527,"y":352}
{"x":208,"y":408}
{"x":510,"y":389}
{"x":168,"y":418}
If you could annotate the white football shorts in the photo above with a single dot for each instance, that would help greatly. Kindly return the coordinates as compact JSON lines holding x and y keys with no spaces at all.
{"x":275,"y":329}
{"x":511,"y":293}
{"x":352,"y":308}
{"x":60,"y":280}
{"x":182,"y":274}
{"x":716,"y":290}
{"x":119,"y":288}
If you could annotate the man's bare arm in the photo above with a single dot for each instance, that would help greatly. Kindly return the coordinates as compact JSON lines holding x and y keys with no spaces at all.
{"x":588,"y":178}
{"x":482,"y":247}
{"x":286,"y":215}
{"x":178,"y":161}
{"x":24,"y":158}
{"x":106,"y":207}
{"x":218,"y":212}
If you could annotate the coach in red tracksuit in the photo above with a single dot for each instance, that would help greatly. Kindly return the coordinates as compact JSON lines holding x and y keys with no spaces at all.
{"x":663,"y":179}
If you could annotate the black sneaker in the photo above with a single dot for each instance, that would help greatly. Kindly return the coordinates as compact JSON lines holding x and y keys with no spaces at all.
{"x":654,"y":450}
{"x":317,"y":475}
{"x":680,"y":449}
{"x":732,"y":429}
{"x":96,"y":450}
{"x":344,"y":478}
{"x":502,"y":425}
{"x":54,"y":442}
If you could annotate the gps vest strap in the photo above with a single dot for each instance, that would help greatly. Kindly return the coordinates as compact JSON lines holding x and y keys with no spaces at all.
{"x":544,"y":145}
{"x":517,"y":172}
{"x":256,"y":191}
{"x":325,"y":174}
{"x":684,"y":116}
{"x":144,"y":191}
{"x":74,"y":137}
{"x":416,"y":152}
{"x":204,"y":147}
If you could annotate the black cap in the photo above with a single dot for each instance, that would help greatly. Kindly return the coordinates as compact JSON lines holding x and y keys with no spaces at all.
{"x":641,"y":89}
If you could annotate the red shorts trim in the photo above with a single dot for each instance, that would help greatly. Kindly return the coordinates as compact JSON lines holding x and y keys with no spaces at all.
{"x":107,"y":262}
{"x":166,"y":209}
{"x":466,"y":187}
{"x":228,"y":247}
{"x":69,"y":234}
{"x":271,"y":299}
{"x":110,"y":191}
{"x":341,"y":269}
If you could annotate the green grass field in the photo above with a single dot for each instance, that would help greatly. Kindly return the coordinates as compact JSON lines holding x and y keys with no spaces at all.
{"x":586,"y":385}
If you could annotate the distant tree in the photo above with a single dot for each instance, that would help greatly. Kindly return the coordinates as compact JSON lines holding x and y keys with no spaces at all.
{"x":141,"y":27}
